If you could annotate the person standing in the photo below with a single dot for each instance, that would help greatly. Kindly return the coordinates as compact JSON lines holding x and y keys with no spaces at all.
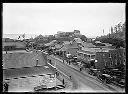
{"x":37,"y":62}
{"x":5,"y":87}
{"x":6,"y":51}
{"x":80,"y":69}
{"x":70,"y":77}
{"x":57,"y":74}
{"x":63,"y":82}
{"x":69,"y":62}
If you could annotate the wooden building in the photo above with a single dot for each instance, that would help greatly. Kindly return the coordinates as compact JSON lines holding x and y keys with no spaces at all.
{"x":85,"y":56}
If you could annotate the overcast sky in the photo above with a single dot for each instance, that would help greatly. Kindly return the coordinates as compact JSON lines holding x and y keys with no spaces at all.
{"x":48,"y":18}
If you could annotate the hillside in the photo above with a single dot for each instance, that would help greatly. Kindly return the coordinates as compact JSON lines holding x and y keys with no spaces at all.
{"x":116,"y":37}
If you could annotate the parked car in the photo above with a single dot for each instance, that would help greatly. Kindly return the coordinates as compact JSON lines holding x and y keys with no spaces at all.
{"x":44,"y":88}
{"x":118,"y":81}
{"x":105,"y":78}
{"x":120,"y":84}
{"x":76,"y":62}
{"x":93,"y":71}
{"x":38,"y":88}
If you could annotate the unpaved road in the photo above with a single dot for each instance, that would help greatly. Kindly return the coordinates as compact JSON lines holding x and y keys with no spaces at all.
{"x":84,"y":82}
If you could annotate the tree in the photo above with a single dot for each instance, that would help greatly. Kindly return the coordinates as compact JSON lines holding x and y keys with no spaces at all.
{"x":103,"y":31}
{"x":23,"y":36}
{"x":83,"y":38}
{"x":119,"y":27}
{"x":112,"y":30}
{"x":115,"y":29}
{"x":123,"y":27}
{"x":18,"y":37}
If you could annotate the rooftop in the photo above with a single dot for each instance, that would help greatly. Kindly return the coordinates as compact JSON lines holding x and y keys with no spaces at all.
{"x":51,"y":43}
{"x":69,"y":46}
{"x":78,"y":40}
{"x":86,"y":52}
{"x":85,"y":44}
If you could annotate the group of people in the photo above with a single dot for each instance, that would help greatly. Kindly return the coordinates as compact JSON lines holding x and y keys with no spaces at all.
{"x":5,"y":86}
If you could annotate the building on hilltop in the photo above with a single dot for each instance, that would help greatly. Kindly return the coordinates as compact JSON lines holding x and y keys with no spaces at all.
{"x":67,"y":34}
{"x":76,"y":32}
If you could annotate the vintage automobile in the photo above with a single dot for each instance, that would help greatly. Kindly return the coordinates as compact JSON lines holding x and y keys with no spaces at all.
{"x":112,"y":77}
{"x":93,"y":71}
{"x":44,"y":88}
{"x":106,"y":78}
{"x":118,"y":81}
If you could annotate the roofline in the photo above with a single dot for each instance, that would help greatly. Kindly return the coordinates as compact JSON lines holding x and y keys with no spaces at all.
{"x":86,"y":52}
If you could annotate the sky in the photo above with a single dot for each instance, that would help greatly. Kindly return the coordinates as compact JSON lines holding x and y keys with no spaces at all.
{"x":49,"y":18}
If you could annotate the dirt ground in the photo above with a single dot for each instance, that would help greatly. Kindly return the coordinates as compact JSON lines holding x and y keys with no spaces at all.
{"x":27,"y":59}
{"x":28,"y":84}
{"x":22,"y":59}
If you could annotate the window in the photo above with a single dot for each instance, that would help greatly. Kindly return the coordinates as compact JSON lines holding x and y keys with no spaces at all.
{"x":79,"y":54}
{"x":124,"y":54}
{"x":105,"y":63}
{"x":85,"y":55}
{"x":52,"y":76}
{"x":124,"y":62}
{"x":111,"y":63}
{"x":103,"y":55}
{"x":88,"y":57}
{"x":92,"y":56}
{"x":116,"y":62}
{"x":110,"y":56}
{"x":49,"y":60}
